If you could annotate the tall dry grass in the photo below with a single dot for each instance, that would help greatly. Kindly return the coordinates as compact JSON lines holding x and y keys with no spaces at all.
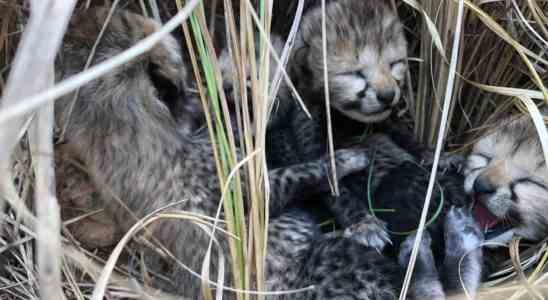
{"x":501,"y":71}
{"x":500,"y":68}
{"x":502,"y":57}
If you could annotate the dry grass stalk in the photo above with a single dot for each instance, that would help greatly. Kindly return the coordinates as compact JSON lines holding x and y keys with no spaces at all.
{"x":31,"y":74}
{"x":223,"y":147}
{"x":516,"y":260}
{"x":46,"y":205}
{"x":77,"y":257}
{"x":328,"y":105}
{"x":439,"y":145}
{"x":104,"y":278}
{"x":210,"y":126}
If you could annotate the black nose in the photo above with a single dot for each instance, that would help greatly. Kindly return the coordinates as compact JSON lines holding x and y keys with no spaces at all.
{"x":386,"y":97}
{"x":482,"y":185}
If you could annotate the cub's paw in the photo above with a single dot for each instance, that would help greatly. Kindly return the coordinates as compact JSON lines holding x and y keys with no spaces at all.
{"x":370,"y":232}
{"x":452,"y":162}
{"x":462,"y":233}
{"x":448,"y":162}
{"x":407,"y":246}
{"x":350,"y":160}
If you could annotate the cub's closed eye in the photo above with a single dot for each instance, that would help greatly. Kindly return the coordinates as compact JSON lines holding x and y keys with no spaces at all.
{"x":530,"y":181}
{"x":477,"y":161}
{"x":359,"y":74}
{"x":353,"y":74}
{"x":397,"y":62}
{"x":483,"y":156}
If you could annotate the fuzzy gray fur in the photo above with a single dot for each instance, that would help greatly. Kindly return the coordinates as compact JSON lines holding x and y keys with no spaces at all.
{"x":125,"y":128}
{"x":453,"y":236}
{"x":366,"y":58}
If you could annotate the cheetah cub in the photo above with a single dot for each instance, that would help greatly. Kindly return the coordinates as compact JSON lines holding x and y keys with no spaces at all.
{"x":393,"y":189}
{"x":507,"y":175}
{"x":367,"y":63}
{"x":366,"y":58}
{"x":124,"y":127}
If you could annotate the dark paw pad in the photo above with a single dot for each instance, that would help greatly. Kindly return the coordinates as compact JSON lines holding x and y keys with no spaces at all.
{"x":462,"y":233}
{"x":370,"y":232}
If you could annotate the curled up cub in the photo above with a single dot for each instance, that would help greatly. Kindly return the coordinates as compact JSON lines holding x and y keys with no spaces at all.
{"x":123,"y":127}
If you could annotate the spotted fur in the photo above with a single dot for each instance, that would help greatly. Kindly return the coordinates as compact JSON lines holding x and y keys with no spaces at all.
{"x":124,"y":127}
{"x":397,"y":190}
{"x":396,"y":184}
{"x":366,"y":59}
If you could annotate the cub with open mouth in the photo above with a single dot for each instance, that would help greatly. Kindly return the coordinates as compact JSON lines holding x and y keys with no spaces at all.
{"x":507,"y":173}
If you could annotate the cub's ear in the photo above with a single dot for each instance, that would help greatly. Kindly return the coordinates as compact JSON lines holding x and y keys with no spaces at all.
{"x":170,"y":91}
{"x":299,"y":56}
{"x":299,"y":42}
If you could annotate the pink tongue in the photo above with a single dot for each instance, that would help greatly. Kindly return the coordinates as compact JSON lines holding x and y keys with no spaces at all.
{"x":484,"y":217}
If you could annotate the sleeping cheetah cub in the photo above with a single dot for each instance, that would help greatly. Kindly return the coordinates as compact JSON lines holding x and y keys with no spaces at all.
{"x":507,"y":174}
{"x":124,"y":129}
{"x":366,"y":58}
{"x":394,"y":188}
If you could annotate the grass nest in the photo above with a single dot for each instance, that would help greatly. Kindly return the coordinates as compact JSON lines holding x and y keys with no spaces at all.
{"x":501,"y":69}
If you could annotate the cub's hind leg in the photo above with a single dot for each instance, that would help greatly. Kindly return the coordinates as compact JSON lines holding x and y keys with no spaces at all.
{"x":464,"y":257}
{"x":425,"y":283}
{"x":290,"y":237}
{"x":341,"y":268}
{"x":353,"y":215}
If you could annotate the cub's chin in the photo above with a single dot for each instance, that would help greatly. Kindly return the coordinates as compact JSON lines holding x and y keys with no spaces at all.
{"x":372,"y":117}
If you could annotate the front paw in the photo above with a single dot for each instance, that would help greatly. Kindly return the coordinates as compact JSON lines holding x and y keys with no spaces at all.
{"x":370,"y":232}
{"x":452,"y":162}
{"x":448,"y":162}
{"x":350,"y":160}
{"x":462,"y":233}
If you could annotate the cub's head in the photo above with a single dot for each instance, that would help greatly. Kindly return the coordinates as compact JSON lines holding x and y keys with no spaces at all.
{"x":153,"y":83}
{"x":507,"y":173}
{"x":229,"y":73}
{"x":366,"y":58}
